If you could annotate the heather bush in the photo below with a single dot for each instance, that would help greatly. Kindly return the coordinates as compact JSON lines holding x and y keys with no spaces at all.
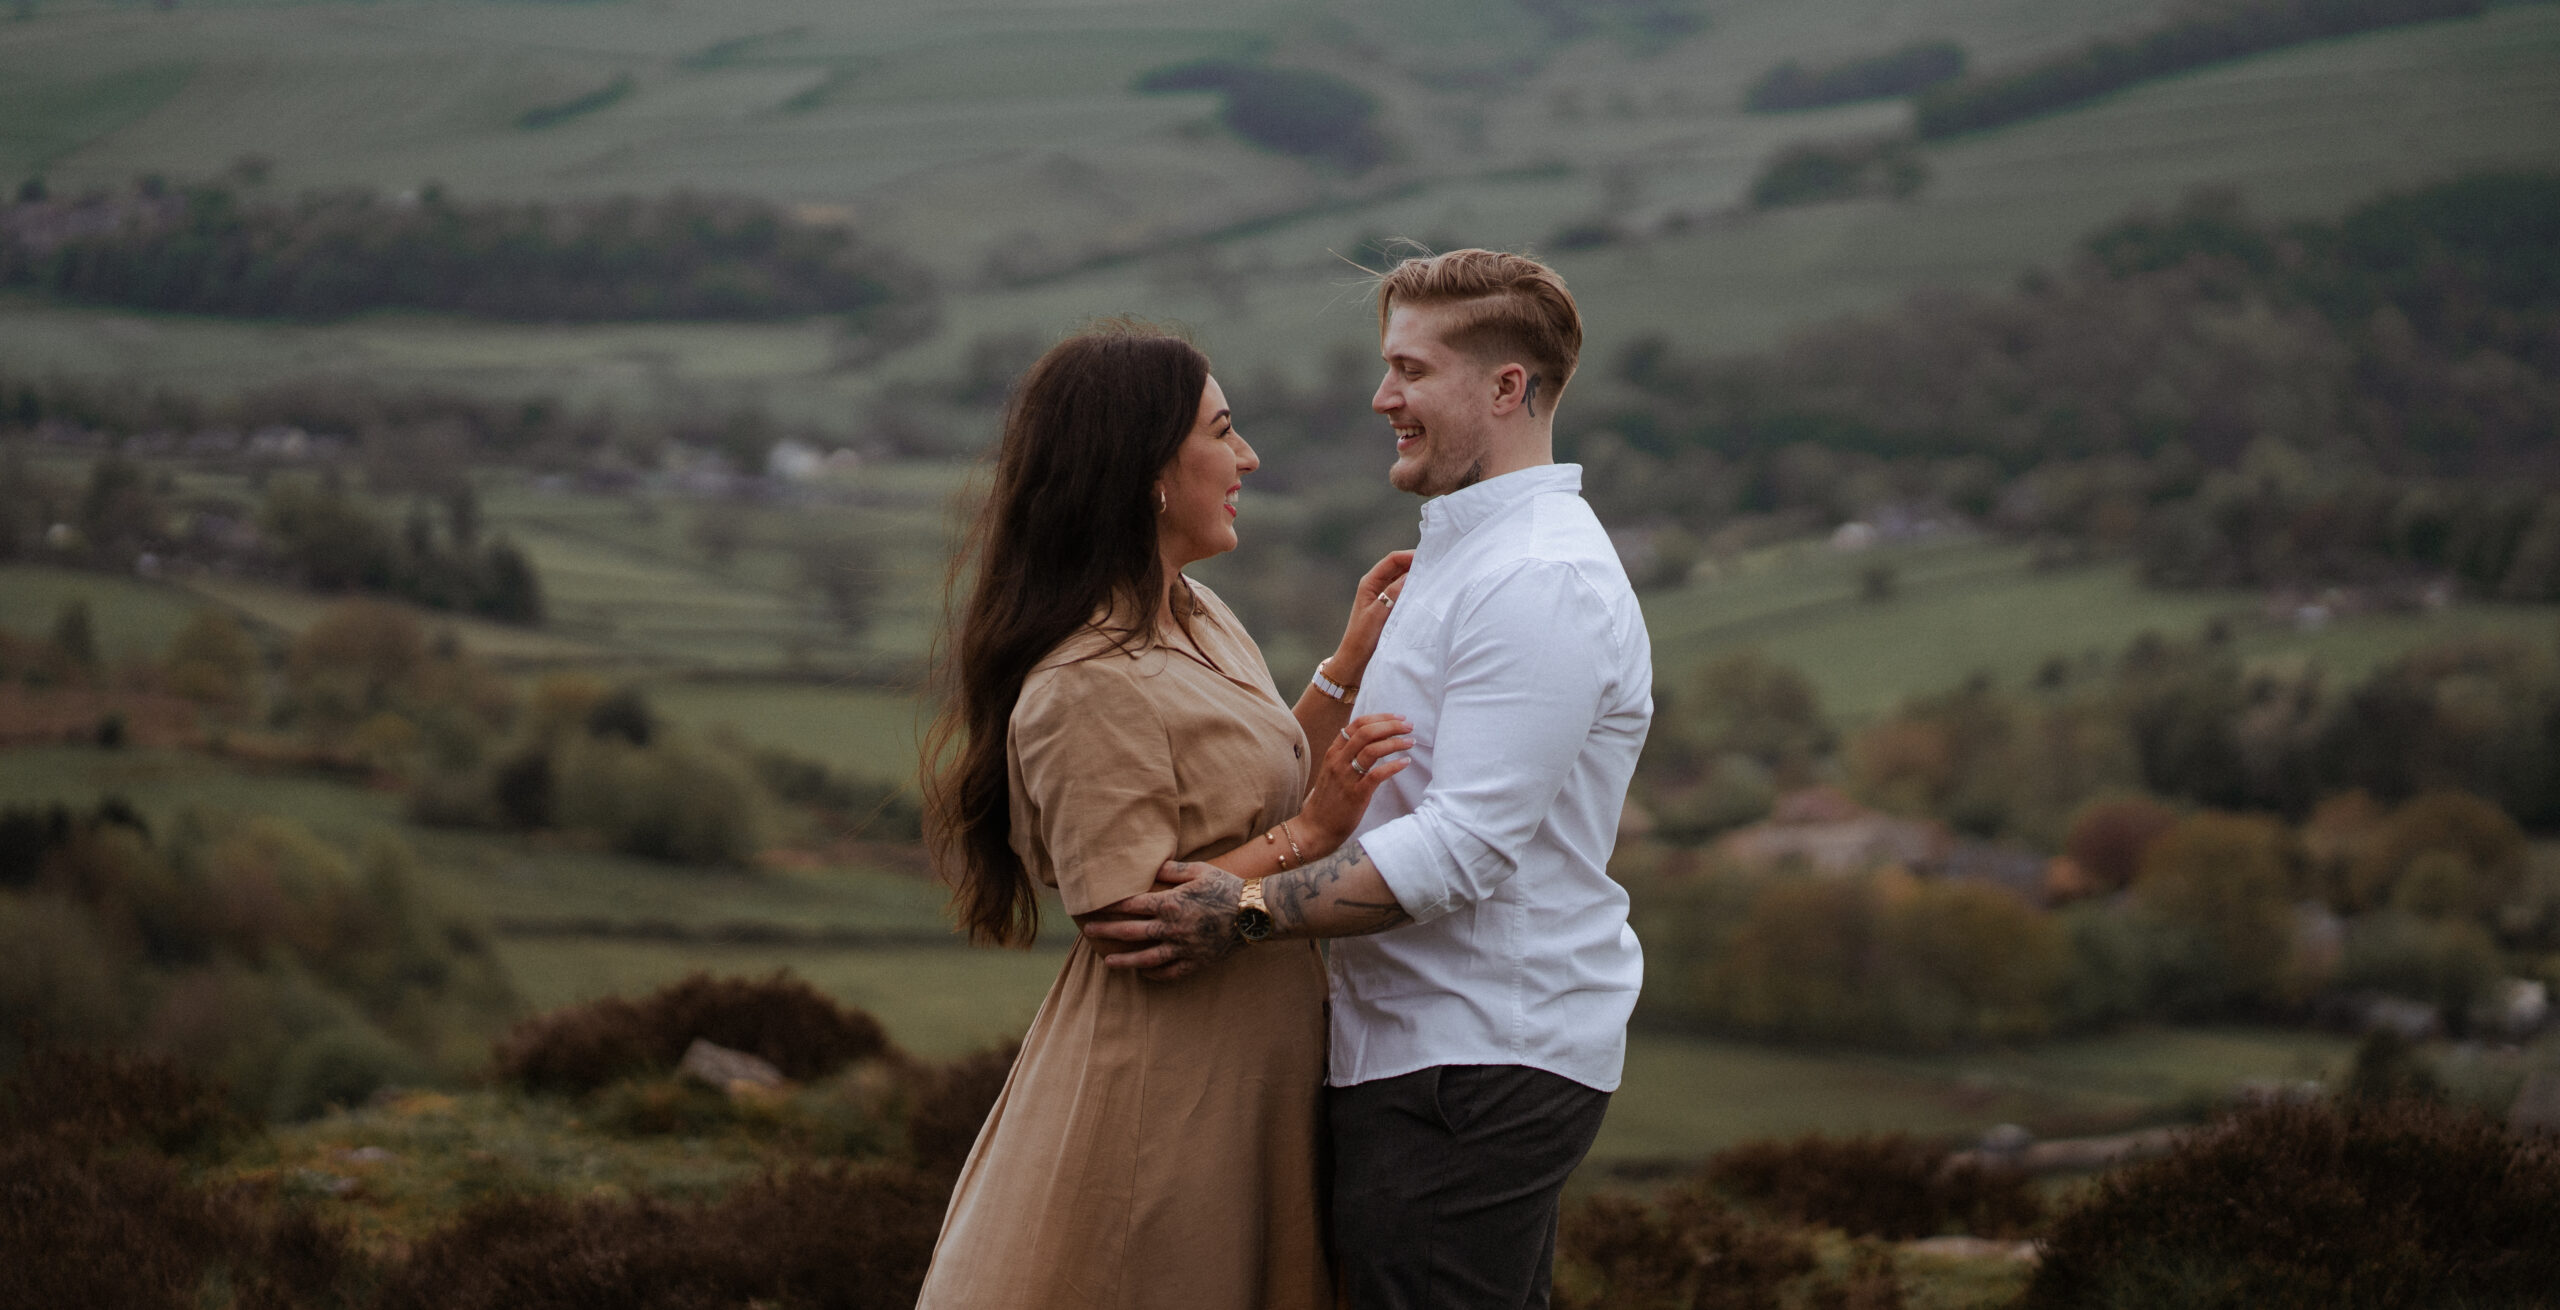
{"x":2318,"y":1207}
{"x":950,"y":1104}
{"x":837,"y":1238}
{"x":780,"y":1019}
{"x":1691,"y":1251}
{"x":93,"y":1213}
{"x":1888,"y":1186}
{"x":94,"y":1099}
{"x":129,"y":1230}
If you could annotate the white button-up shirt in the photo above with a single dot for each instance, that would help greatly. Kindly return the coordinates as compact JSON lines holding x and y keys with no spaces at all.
{"x":1519,"y":655}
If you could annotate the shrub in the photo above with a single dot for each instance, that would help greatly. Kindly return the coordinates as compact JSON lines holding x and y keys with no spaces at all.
{"x":129,"y":1231}
{"x":2109,"y":838}
{"x":664,"y":801}
{"x":1812,"y":173}
{"x":1691,"y":1252}
{"x":2447,"y":965}
{"x":2292,"y":1207}
{"x":2227,"y":880}
{"x":94,"y":1099}
{"x":950,"y":1105}
{"x":1293,"y":111}
{"x":336,"y":1067}
{"x":838,"y":1237}
{"x":1888,"y":1186}
{"x":780,"y":1019}
{"x":58,"y":973}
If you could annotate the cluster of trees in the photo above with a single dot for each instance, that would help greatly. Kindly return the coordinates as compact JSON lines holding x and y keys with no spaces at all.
{"x":298,"y":974}
{"x":1815,"y":172}
{"x":2224,"y":841}
{"x":211,"y":249}
{"x":599,"y":762}
{"x":2204,"y":915}
{"x":2316,"y":402}
{"x":1291,"y":111}
{"x":2215,"y":35}
{"x":1913,"y":68}
{"x":313,"y":532}
{"x":330,"y":542}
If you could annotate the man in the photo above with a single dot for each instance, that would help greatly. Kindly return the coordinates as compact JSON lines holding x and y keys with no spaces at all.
{"x":1485,"y":970}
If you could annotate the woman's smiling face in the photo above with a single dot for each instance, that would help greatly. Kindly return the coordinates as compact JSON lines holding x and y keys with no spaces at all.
{"x":1200,"y":485}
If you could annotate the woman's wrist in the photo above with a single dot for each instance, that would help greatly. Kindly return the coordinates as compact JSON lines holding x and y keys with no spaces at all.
{"x":1347,"y":663}
{"x":1316,"y":839}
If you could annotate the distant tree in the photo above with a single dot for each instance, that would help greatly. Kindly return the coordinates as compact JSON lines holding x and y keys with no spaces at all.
{"x":213,"y":661}
{"x":2108,"y":839}
{"x":75,"y":636}
{"x":1292,"y":111}
{"x":2226,"y":881}
{"x":845,"y":573}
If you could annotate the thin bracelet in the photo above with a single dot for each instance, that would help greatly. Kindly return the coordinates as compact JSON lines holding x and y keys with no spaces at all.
{"x":1271,"y":840}
{"x":1296,"y":857}
{"x":1339,"y":691}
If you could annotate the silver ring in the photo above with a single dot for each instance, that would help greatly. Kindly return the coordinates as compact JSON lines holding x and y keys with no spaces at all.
{"x":1346,"y":734}
{"x":1359,"y":770}
{"x":1386,"y":600}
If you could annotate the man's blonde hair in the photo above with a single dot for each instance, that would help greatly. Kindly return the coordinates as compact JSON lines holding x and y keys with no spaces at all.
{"x":1511,"y":308}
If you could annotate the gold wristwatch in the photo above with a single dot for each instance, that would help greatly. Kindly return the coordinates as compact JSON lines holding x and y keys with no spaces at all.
{"x":1253,"y":918}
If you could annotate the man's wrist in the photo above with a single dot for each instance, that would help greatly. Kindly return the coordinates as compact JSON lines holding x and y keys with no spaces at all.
{"x":1253,"y":918}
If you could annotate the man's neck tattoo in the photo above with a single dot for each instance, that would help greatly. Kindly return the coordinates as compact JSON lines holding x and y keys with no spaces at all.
{"x":1473,"y":475}
{"x":1530,"y":397}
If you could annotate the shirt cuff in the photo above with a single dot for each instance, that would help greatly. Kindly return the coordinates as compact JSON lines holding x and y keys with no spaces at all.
{"x":1413,"y":865}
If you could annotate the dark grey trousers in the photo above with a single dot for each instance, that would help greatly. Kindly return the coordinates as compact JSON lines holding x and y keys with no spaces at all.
{"x":1445,"y":1184}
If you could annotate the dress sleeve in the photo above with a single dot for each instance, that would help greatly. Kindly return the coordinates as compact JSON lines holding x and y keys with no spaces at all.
{"x":1097,"y":771}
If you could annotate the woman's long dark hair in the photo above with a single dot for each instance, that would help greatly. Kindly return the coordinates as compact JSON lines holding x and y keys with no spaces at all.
{"x":1068,"y":530}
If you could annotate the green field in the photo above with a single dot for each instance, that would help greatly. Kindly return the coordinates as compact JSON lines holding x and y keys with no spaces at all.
{"x":133,"y":619}
{"x":1962,"y":607}
{"x":940,"y":135}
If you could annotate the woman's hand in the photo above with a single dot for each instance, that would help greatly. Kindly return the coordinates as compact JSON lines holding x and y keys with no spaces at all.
{"x":1354,"y":763}
{"x":1379,"y":588}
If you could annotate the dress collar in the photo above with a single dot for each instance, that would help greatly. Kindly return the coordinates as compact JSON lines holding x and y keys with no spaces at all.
{"x":1463,"y":510}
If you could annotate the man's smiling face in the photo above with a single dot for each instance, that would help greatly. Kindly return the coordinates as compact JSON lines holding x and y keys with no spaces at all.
{"x":1439,"y":401}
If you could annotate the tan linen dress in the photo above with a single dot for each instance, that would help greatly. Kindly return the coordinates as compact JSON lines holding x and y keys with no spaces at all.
{"x":1156,"y":1145}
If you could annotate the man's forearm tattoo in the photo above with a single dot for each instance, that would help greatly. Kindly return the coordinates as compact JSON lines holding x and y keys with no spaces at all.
{"x":1299,"y":897}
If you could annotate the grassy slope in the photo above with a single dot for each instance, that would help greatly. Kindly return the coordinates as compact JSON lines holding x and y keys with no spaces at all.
{"x":1971,"y":606}
{"x":2304,"y":131}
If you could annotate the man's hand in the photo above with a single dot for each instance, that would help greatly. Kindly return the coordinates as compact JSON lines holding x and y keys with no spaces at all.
{"x":1182,"y":929}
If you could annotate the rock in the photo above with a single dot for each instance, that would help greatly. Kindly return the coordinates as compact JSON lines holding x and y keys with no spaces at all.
{"x":367,"y":1155}
{"x":728,"y":1070}
{"x":2537,"y":1106}
{"x":2005,"y":1142}
{"x":1971,"y":1248}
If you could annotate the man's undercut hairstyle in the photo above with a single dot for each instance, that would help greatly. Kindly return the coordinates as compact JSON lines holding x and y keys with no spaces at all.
{"x":1511,"y":308}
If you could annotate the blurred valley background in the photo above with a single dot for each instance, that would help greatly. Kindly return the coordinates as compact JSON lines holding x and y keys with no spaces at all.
{"x":477,"y":480}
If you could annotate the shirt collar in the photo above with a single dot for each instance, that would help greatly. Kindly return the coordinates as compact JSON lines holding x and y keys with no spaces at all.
{"x":1467,"y":508}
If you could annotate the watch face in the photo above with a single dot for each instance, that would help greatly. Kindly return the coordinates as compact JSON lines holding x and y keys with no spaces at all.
{"x":1253,"y":925}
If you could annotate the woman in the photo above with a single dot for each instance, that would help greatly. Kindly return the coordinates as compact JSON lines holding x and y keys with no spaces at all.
{"x":1156,"y":1144}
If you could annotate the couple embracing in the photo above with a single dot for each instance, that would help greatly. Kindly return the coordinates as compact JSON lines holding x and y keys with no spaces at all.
{"x":1209,"y":1112}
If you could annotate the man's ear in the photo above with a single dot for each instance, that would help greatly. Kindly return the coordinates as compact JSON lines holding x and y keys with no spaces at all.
{"x":1512,"y":387}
